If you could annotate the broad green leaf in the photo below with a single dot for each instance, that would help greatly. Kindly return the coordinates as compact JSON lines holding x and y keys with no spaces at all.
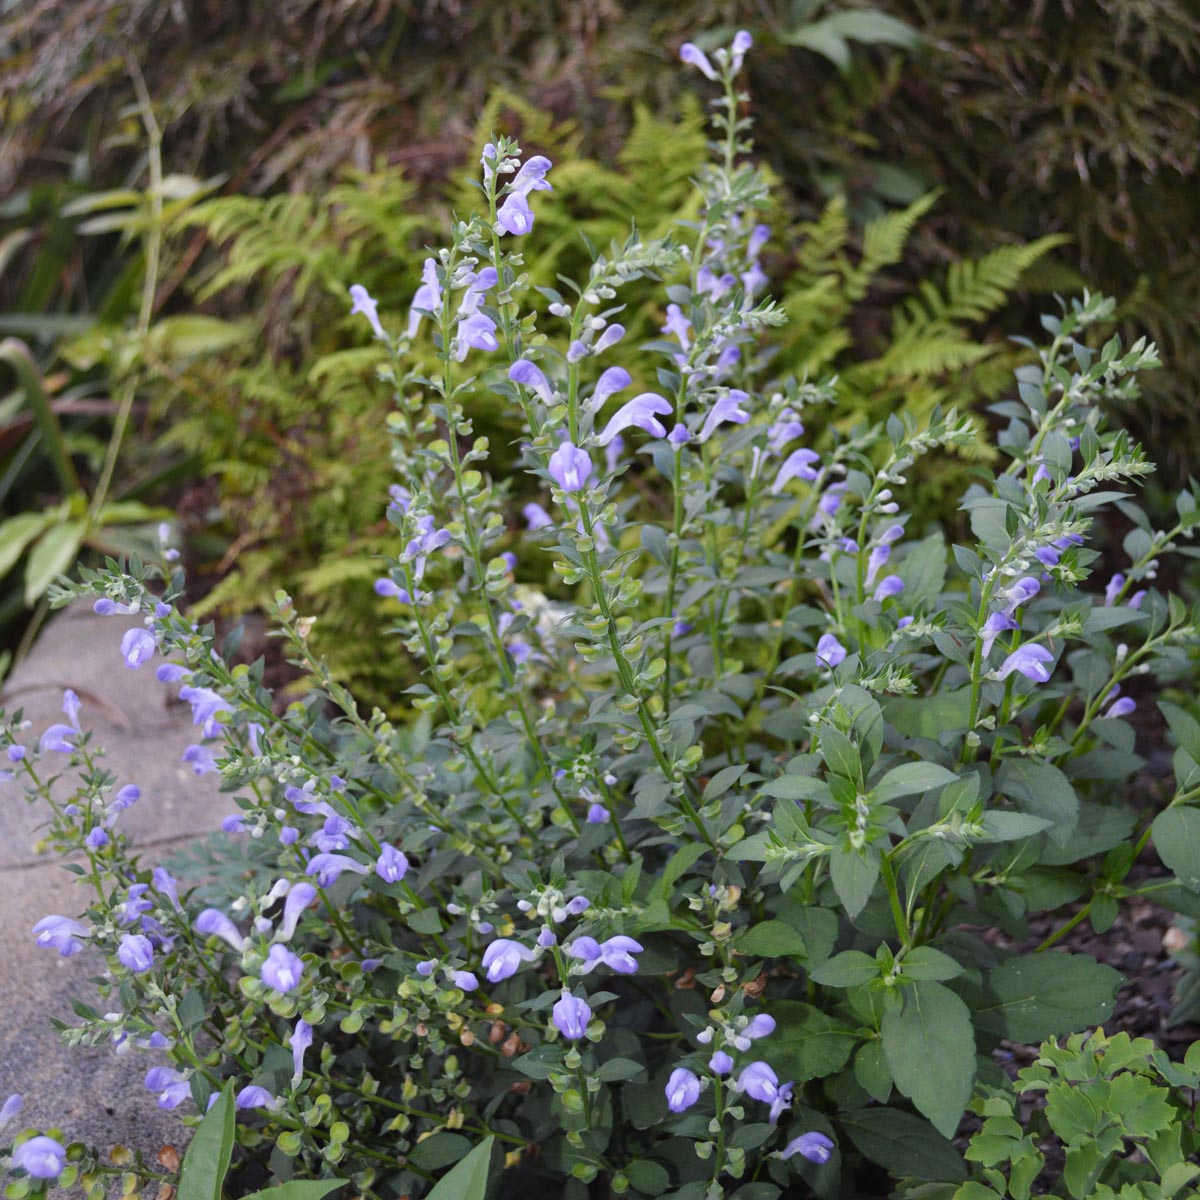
{"x":871,"y":1071}
{"x":771,"y":939}
{"x":909,"y":779}
{"x":904,"y":1144}
{"x":930,"y":1050}
{"x":468,"y":1180}
{"x":206,"y":1161}
{"x":929,"y":716}
{"x":923,"y":570}
{"x":848,"y":969}
{"x":649,"y":1178}
{"x":439,"y":1150}
{"x":617,"y":1069}
{"x":1036,"y":996}
{"x":16,"y":533}
{"x":53,"y":555}
{"x":840,"y":753}
{"x":799,"y":787}
{"x":1044,"y":791}
{"x":924,"y":962}
{"x":808,"y":1043}
{"x":1184,"y":726}
{"x":1004,"y":826}
{"x":854,"y":873}
{"x":1176,"y":833}
{"x":677,"y":865}
{"x":299,"y":1189}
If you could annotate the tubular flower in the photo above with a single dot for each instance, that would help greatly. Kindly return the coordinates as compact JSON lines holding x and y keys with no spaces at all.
{"x":1030,"y":660}
{"x":503,"y":959}
{"x":642,"y":411}
{"x":683,"y":1090}
{"x":570,"y":467}
{"x":727,"y":408}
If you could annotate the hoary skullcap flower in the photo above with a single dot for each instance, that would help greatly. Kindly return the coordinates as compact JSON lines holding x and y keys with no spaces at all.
{"x":11,"y":1107}
{"x":503,"y":959}
{"x":797,"y":465}
{"x":61,"y":934}
{"x":1030,"y":660}
{"x":213,"y":921}
{"x":890,"y":585}
{"x":136,"y":953}
{"x":609,"y":338}
{"x":282,"y":970}
{"x":720,"y":1063}
{"x":615,"y":379}
{"x":830,"y":652}
{"x":299,"y":897}
{"x":254,"y":1096}
{"x":111,"y":608}
{"x":364,"y":304}
{"x":300,"y":1040}
{"x":327,"y":867}
{"x":426,"y":299}
{"x":993,"y":627}
{"x":137,"y":647}
{"x":41,"y":1157}
{"x":642,"y":411}
{"x":392,"y":864}
{"x":169,"y":1085}
{"x":530,"y":375}
{"x":814,"y":1146}
{"x":683,"y":1090}
{"x":691,"y":54}
{"x":727,"y":408}
{"x":570,"y":467}
{"x":571,"y":1016}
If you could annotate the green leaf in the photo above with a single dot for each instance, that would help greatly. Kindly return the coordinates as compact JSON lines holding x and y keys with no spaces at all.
{"x":298,"y":1189}
{"x":425,"y":920}
{"x":1043,"y":790}
{"x":206,"y":1161}
{"x":439,"y":1150}
{"x":677,"y":865}
{"x":192,"y":1010}
{"x":16,"y":533}
{"x":53,"y":555}
{"x":1176,"y":833}
{"x":1037,"y":996}
{"x":617,"y":1069}
{"x":909,"y":779}
{"x":854,"y":874}
{"x":930,"y":1049}
{"x":1184,"y":726}
{"x":808,"y":1043}
{"x":929,"y":716}
{"x":771,"y":939}
{"x":1003,"y":826}
{"x":840,"y":753}
{"x":851,"y":968}
{"x":924,"y":962}
{"x":904,"y":1144}
{"x":871,"y":1071}
{"x":648,"y":1177}
{"x":468,"y":1180}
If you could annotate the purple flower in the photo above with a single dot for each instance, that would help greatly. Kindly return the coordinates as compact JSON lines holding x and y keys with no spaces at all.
{"x":40,"y":1157}
{"x":283,"y":970}
{"x":254,"y":1096}
{"x":58,"y":737}
{"x":234,"y":823}
{"x":136,"y":953}
{"x":426,"y":299}
{"x":1020,"y":593}
{"x":759,"y":1081}
{"x":615,"y":379}
{"x":465,"y":980}
{"x":134,"y":904}
{"x":830,"y":652}
{"x":1113,"y":589}
{"x":170,"y":1085}
{"x":200,"y":759}
{"x":11,"y":1107}
{"x":570,"y":467}
{"x":476,"y":332}
{"x":392,"y":864}
{"x":300,"y":1040}
{"x":299,"y":897}
{"x":875,"y":560}
{"x":536,"y":517}
{"x":170,"y":673}
{"x":571,"y":1016}
{"x":514,"y":215}
{"x":387,"y":588}
{"x":720,"y":1063}
{"x":61,"y":934}
{"x":127,"y":796}
{"x":165,"y":884}
{"x":214,"y":921}
{"x":609,"y":338}
{"x":742,"y":42}
{"x":1029,"y":660}
{"x":785,"y":429}
{"x":206,"y":705}
{"x":640,"y":412}
{"x":727,"y":408}
{"x":683,"y":1090}
{"x":831,"y":499}
{"x":761,"y":1025}
{"x":503,"y":959}
{"x":289,"y":835}
{"x":577,"y":905}
{"x":528,"y":375}
{"x":691,"y":54}
{"x":797,"y":465}
{"x":364,"y":304}
{"x":137,"y":647}
{"x":1119,"y":708}
{"x":425,"y":968}
{"x":96,"y":839}
{"x":1135,"y":601}
{"x":993,"y":627}
{"x":816,"y":1147}
{"x":890,"y":585}
{"x":618,"y":953}
{"x":679,"y":436}
{"x":327,"y":867}
{"x":1048,"y":556}
{"x":16,"y":754}
{"x":110,"y":608}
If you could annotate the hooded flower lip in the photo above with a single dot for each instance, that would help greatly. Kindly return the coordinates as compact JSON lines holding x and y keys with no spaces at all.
{"x":727,"y":408}
{"x":1030,"y":660}
{"x":40,"y":1157}
{"x":214,"y":921}
{"x":615,"y":379}
{"x":797,"y":465}
{"x":530,"y":375}
{"x":327,"y":867}
{"x":300,"y":1040}
{"x":830,"y":652}
{"x":61,"y":934}
{"x":691,"y":54}
{"x":682,"y":1090}
{"x":570,"y":467}
{"x":814,"y":1146}
{"x":136,"y":953}
{"x":503,"y":958}
{"x":299,"y":897}
{"x":642,"y":411}
{"x":137,"y":647}
{"x":282,"y":970}
{"x":571,"y":1016}
{"x":171,"y":1086}
{"x":392,"y":864}
{"x":363,"y":304}
{"x":514,"y":215}
{"x":993,"y":627}
{"x":426,"y":299}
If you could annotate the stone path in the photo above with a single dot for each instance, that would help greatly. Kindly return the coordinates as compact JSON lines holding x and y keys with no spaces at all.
{"x":91,"y":1093}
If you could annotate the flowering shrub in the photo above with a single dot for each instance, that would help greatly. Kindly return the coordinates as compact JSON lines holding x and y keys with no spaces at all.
{"x":678,"y":880}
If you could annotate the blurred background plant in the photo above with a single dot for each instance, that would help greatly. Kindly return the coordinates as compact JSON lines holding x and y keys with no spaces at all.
{"x":305,"y":144}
